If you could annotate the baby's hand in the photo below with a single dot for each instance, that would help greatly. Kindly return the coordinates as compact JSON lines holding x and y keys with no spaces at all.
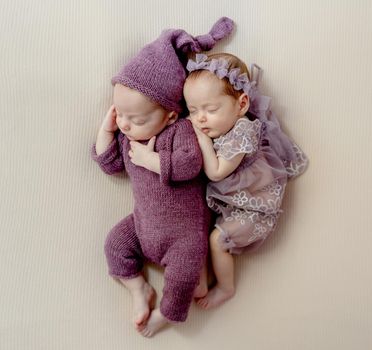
{"x":199,"y":134}
{"x":109,"y":123}
{"x":140,"y":154}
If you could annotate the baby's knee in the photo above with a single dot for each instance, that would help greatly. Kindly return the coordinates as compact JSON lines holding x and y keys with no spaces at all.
{"x":121,"y":237}
{"x":185,"y":267}
{"x":112,"y":242}
{"x":214,"y":240}
{"x":110,"y":246}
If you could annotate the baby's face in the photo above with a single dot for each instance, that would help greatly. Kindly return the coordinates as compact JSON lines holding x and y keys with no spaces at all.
{"x":138,"y":117}
{"x":211,"y":110}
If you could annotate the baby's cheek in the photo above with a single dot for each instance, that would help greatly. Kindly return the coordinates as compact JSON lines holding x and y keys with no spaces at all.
{"x":192,"y":118}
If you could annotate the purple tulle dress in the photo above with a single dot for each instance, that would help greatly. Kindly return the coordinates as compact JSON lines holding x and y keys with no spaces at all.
{"x":249,"y":199}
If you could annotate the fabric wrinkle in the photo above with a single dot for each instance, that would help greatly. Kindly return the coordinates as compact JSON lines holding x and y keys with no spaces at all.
{"x":249,"y":200}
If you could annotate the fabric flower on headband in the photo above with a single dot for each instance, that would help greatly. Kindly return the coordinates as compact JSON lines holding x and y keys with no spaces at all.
{"x":199,"y":63}
{"x":240,"y":81}
{"x":218,"y":67}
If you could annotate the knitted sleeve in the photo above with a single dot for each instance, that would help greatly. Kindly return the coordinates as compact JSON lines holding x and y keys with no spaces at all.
{"x":182,"y":160}
{"x":110,"y":161}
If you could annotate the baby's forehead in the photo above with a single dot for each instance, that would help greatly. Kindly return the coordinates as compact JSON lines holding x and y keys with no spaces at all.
{"x":204,"y":77}
{"x":122,"y":92}
{"x":201,"y":74}
{"x":132,"y":100}
{"x":203,"y":83}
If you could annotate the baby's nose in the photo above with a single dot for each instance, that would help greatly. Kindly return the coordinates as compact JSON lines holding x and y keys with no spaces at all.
{"x":124,"y":125}
{"x":201,"y":117}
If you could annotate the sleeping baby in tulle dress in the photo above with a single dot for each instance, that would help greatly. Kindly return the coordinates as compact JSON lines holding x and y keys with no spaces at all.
{"x":246,"y":156}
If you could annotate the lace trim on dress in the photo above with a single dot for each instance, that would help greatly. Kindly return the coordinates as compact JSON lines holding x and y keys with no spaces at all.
{"x":244,"y":137}
{"x":298,"y":166}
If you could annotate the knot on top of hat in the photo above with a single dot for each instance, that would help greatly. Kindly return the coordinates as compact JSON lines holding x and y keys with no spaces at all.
{"x":222,"y":28}
{"x":187,"y":43}
{"x":205,"y":42}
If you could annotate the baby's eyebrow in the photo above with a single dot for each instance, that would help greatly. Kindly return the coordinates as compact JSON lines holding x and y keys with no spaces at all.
{"x":210,"y":105}
{"x":129,"y":116}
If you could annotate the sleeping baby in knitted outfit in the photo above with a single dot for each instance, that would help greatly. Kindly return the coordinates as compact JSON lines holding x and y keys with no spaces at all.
{"x":142,"y":135}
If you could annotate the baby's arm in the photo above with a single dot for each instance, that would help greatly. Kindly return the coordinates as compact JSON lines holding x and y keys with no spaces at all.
{"x":106,"y":151}
{"x":182,"y":161}
{"x":106,"y":132}
{"x":216,"y":168}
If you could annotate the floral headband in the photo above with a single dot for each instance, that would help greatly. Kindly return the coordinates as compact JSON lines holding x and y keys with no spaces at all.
{"x":219,"y":68}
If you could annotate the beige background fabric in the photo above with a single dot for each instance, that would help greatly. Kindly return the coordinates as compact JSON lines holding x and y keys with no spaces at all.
{"x":308,"y":287}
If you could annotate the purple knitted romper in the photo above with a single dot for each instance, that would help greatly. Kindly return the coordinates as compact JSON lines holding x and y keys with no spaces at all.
{"x":170,"y":222}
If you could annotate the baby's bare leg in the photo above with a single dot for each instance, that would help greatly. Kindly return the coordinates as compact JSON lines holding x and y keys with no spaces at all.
{"x":143,"y":299}
{"x":223,"y":266}
{"x":202,"y":288}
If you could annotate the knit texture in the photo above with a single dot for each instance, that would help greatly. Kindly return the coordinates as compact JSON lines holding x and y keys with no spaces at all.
{"x":170,"y":222}
{"x":158,"y":70}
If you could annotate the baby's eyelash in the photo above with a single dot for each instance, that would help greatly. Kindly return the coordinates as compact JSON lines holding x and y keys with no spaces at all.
{"x":141,"y":122}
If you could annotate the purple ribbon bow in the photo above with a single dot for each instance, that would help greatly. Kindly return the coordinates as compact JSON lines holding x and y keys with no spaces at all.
{"x":218,"y":67}
{"x":238,"y":81}
{"x":199,"y":63}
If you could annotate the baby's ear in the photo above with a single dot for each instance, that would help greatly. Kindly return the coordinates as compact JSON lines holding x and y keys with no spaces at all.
{"x":172,"y":117}
{"x":243,"y":103}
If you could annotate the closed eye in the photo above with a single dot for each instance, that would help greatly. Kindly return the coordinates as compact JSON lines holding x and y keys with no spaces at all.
{"x":139,"y":122}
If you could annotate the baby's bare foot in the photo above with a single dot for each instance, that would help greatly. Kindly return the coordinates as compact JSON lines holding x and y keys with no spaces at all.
{"x":215,"y":297}
{"x":143,"y":302}
{"x":201,"y":290}
{"x":154,"y":323}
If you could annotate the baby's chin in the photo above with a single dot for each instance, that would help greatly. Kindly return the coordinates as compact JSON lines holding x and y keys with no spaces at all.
{"x":213,"y":134}
{"x":139,"y":139}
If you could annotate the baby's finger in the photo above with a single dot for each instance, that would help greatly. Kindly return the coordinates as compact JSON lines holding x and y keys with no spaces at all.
{"x":111,"y":111}
{"x":151,"y":143}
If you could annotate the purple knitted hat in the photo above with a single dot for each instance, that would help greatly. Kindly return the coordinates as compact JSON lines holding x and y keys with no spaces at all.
{"x":158,"y":71}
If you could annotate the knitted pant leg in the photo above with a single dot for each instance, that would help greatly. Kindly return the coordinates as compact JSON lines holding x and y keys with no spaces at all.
{"x":181,"y":276}
{"x":123,"y":251}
